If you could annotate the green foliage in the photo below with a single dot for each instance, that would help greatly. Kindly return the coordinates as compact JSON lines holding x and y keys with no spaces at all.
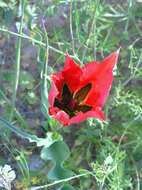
{"x":111,"y":172}
{"x":58,"y":152}
{"x":89,"y":30}
{"x":7,"y":12}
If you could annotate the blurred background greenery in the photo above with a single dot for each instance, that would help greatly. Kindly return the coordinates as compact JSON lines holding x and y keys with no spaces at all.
{"x":36,"y":33}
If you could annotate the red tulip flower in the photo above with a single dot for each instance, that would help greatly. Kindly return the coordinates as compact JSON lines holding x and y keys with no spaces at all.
{"x":80,"y":93}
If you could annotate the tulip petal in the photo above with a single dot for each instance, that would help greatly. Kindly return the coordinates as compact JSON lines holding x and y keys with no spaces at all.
{"x":96,"y":70}
{"x":52,"y":94}
{"x":80,"y":117}
{"x":101,"y":80}
{"x":60,"y":115}
{"x":71,"y":73}
{"x":80,"y":93}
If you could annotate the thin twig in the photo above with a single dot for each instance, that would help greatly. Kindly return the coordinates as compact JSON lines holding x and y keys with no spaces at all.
{"x":17,"y":113}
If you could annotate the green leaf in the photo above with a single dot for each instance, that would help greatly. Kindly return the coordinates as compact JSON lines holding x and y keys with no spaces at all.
{"x":49,"y":140}
{"x":58,"y":152}
{"x":46,"y":142}
{"x":54,"y":149}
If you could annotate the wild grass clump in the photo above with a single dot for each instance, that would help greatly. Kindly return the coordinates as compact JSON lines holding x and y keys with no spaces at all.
{"x":34,"y":39}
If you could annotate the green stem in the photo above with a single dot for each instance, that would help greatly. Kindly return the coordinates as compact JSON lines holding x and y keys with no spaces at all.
{"x":16,"y":112}
{"x":62,"y":181}
{"x":18,"y":57}
{"x":24,"y":36}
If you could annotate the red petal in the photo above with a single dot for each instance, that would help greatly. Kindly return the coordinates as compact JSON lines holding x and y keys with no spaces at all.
{"x":63,"y":117}
{"x":52,"y":94}
{"x":71,"y":73}
{"x":58,"y":80}
{"x":96,"y":113}
{"x":110,"y":61}
{"x":101,"y":77}
{"x":56,"y":87}
{"x":59,"y":115}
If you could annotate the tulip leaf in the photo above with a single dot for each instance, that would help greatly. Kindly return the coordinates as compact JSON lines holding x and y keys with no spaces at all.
{"x":54,"y":149}
{"x":46,"y":142}
{"x":58,"y":152}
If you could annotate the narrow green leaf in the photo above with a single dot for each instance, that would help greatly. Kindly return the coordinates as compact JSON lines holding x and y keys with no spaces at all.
{"x":46,"y":142}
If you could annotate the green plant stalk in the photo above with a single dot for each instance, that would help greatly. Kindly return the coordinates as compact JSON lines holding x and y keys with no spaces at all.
{"x":62,"y":181}
{"x":24,"y":36}
{"x":18,"y":56}
{"x":44,"y":73}
{"x":23,"y":165}
{"x":92,"y":31}
{"x":16,"y":112}
{"x":71,"y":29}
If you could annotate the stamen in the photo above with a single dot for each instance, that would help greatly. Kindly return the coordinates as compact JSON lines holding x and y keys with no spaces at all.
{"x":73,"y":104}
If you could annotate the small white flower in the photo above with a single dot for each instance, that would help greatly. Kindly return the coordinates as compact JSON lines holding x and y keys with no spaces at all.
{"x":7,"y":175}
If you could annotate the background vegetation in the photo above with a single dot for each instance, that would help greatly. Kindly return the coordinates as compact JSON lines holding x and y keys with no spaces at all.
{"x":34,"y":38}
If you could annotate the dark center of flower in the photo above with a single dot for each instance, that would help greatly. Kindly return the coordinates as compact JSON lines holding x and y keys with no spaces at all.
{"x":72,"y":103}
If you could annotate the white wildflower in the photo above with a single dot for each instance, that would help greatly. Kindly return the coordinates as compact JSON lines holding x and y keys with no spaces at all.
{"x":7,"y":175}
